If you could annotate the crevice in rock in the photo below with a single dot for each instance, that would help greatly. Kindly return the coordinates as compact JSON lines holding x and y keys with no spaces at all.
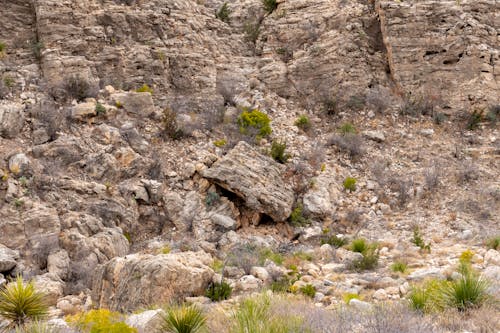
{"x":387,"y":48}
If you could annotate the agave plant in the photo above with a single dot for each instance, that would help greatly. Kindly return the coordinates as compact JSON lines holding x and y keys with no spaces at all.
{"x":20,"y":302}
{"x":469,"y":291}
{"x":184,"y":319}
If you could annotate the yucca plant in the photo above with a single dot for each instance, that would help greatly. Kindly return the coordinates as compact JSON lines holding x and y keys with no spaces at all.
{"x":20,"y":302}
{"x":469,"y":291}
{"x":184,"y":319}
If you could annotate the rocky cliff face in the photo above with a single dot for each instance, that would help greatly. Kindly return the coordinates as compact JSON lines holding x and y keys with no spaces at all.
{"x":92,"y":181}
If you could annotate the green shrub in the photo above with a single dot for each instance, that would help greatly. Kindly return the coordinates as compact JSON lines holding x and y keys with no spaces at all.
{"x":223,"y":13}
{"x":144,"y":88}
{"x":303,"y":123}
{"x":271,"y":255}
{"x":350,"y":184}
{"x":417,"y":105}
{"x":369,"y":252}
{"x":334,"y":241}
{"x":255,"y":120}
{"x":218,"y":291}
{"x":100,"y":109}
{"x":347,"y":128}
{"x":359,"y":245}
{"x":399,"y":266}
{"x":278,"y":153}
{"x":37,"y":48}
{"x":308,"y":290}
{"x":20,"y":302}
{"x":281,"y":285}
{"x":418,"y":240}
{"x":184,"y":319}
{"x":419,"y":299}
{"x":220,"y":143}
{"x":493,"y":243}
{"x":212,"y":198}
{"x":297,"y":218}
{"x":3,"y":47}
{"x":475,"y":118}
{"x":270,"y":5}
{"x":100,"y":321}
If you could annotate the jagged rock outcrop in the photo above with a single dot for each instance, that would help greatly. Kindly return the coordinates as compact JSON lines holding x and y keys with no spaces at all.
{"x":134,"y":281}
{"x":256,"y":178}
{"x":446,"y":50}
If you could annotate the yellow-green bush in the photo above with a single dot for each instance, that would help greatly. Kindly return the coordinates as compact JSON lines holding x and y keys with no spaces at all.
{"x":255,"y":120}
{"x":145,"y":88}
{"x":100,"y":321}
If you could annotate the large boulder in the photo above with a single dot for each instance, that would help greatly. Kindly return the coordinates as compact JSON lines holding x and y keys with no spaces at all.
{"x":8,"y":258}
{"x":256,"y":178}
{"x":139,"y":280}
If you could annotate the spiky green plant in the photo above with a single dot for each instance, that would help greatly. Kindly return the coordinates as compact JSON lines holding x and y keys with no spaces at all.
{"x":21,"y":301}
{"x":308,"y":290}
{"x":184,"y":319}
{"x":219,"y":291}
{"x":359,"y":245}
{"x":398,"y":266}
{"x":467,"y":292}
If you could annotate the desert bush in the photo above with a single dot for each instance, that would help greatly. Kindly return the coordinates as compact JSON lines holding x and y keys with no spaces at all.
{"x":211,"y":199}
{"x":418,"y":240}
{"x":378,"y":100}
{"x":281,"y":285}
{"x":223,"y":13}
{"x":270,"y":5}
{"x":474,"y":119}
{"x":278,"y":152}
{"x":297,"y":218}
{"x":254,"y":120}
{"x":308,"y":290}
{"x":20,"y":302}
{"x":100,"y":321}
{"x":439,"y":118}
{"x":356,"y":102}
{"x":493,"y":114}
{"x":184,"y":319}
{"x":170,"y":127}
{"x":349,"y":184}
{"x":3,"y":47}
{"x":303,"y":123}
{"x":467,"y":172}
{"x":416,"y":105}
{"x":220,"y":143}
{"x":403,"y":187}
{"x":77,"y":87}
{"x":218,"y":291}
{"x":432,"y":176}
{"x":252,"y":31}
{"x":36,"y":327}
{"x":399,"y":266}
{"x":349,"y":143}
{"x":347,"y":128}
{"x":333,"y":240}
{"x":285,"y":54}
{"x":244,"y":256}
{"x":493,"y":243}
{"x":330,"y":104}
{"x":145,"y":88}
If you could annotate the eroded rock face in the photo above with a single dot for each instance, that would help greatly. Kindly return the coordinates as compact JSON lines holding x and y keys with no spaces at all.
{"x":256,"y":178}
{"x":127,"y":283}
{"x":11,"y":119}
{"x":446,"y":46}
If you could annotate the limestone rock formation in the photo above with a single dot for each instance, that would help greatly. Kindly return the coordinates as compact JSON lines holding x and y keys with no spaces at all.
{"x":127,"y":283}
{"x":256,"y":178}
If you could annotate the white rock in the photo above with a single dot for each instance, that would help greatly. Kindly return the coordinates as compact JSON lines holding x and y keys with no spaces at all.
{"x":147,"y":321}
{"x":248,"y":283}
{"x":380,"y":294}
{"x":492,"y":257}
{"x":360,"y":305}
{"x":260,"y":273}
